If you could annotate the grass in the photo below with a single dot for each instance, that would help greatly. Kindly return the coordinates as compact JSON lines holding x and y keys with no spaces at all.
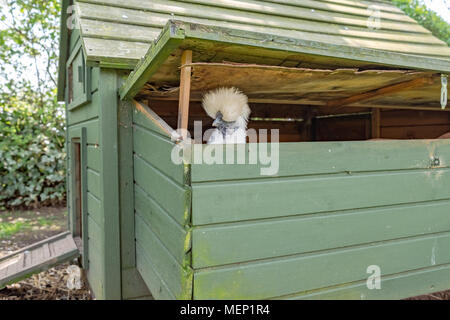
{"x":8,"y":229}
{"x":15,"y":223}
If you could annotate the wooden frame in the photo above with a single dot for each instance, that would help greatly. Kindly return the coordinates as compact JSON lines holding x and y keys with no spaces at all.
{"x":81,"y":74}
{"x":80,"y":137}
{"x":380,"y":92}
{"x":185,"y":93}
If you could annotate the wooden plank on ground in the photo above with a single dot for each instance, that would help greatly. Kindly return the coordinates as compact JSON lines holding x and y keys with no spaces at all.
{"x":37,"y":258}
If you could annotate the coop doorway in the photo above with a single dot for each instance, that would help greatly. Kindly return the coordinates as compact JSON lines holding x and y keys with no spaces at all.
{"x":77,"y":223}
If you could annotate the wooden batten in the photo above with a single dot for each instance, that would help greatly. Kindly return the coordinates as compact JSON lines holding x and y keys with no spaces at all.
{"x":376,"y":123}
{"x":381,"y":92}
{"x":185,"y":92}
{"x":156,"y":120}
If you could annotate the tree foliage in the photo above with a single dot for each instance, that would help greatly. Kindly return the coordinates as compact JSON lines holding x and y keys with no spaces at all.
{"x":427,"y":18}
{"x":32,"y":129}
{"x":32,"y":165}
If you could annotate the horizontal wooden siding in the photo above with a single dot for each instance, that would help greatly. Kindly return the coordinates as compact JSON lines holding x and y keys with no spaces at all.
{"x":333,"y":210}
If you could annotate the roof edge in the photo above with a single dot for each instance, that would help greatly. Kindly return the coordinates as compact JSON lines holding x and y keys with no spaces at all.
{"x":170,"y":39}
{"x":176,"y":31}
{"x":254,"y":39}
{"x":63,"y":50}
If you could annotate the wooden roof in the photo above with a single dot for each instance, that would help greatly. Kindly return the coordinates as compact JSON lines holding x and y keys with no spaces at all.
{"x":118,"y":33}
{"x":311,"y":87}
{"x":106,"y":24}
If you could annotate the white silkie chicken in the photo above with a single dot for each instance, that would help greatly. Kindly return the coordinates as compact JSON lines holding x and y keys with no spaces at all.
{"x":230,"y":111}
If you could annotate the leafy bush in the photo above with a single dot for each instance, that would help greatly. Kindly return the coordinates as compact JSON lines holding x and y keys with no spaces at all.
{"x":32,"y":156}
{"x":430,"y":20}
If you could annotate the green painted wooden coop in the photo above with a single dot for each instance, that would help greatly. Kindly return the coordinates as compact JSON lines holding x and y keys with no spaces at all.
{"x":333,"y":76}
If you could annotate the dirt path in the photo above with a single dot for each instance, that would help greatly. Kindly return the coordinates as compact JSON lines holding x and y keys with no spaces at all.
{"x":19,"y":229}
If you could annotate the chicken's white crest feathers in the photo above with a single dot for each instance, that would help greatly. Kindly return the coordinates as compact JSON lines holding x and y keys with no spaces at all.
{"x":230,"y":102}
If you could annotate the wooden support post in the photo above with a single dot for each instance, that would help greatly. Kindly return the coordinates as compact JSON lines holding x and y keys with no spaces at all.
{"x":376,"y":127}
{"x":185,"y":93}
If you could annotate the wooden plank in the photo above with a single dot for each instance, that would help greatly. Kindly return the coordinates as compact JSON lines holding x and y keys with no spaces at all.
{"x":308,"y":158}
{"x":387,"y":12}
{"x":226,"y":14}
{"x":414,"y":132}
{"x":173,"y":197}
{"x":247,"y":241}
{"x":133,"y":286}
{"x":157,"y":151}
{"x":84,"y":113}
{"x":177,"y":277}
{"x":398,"y":286}
{"x":174,"y":237}
{"x":380,"y":92}
{"x":109,"y":181}
{"x":185,"y":93}
{"x":37,"y":258}
{"x":302,"y":10}
{"x":365,"y":4}
{"x":132,"y":283}
{"x":376,"y":121}
{"x":396,"y":118}
{"x":93,"y":158}
{"x":117,"y":31}
{"x":94,"y":183}
{"x":96,"y":242}
{"x":159,"y":51}
{"x":255,"y":44}
{"x":351,"y":128}
{"x":94,"y":207}
{"x":302,"y":28}
{"x":261,"y":279}
{"x":95,"y":273}
{"x":154,"y":281}
{"x":156,"y":123}
{"x":124,"y":56}
{"x":92,"y":131}
{"x":279,"y":197}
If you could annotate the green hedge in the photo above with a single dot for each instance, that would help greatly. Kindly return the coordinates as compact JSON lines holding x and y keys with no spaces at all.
{"x":32,"y":156}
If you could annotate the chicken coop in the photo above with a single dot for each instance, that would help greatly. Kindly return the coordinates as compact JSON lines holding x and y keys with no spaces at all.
{"x":353,"y":91}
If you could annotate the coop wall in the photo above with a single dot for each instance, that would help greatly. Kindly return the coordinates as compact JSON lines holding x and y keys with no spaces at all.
{"x":312,"y":123}
{"x":162,"y":213}
{"x":312,"y":231}
{"x":108,"y":255}
{"x":87,"y":117}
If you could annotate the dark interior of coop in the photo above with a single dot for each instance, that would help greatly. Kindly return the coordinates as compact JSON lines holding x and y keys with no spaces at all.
{"x":298,"y":123}
{"x":311,"y":103}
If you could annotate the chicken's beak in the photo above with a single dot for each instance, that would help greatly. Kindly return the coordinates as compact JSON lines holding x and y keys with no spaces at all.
{"x":216,"y":122}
